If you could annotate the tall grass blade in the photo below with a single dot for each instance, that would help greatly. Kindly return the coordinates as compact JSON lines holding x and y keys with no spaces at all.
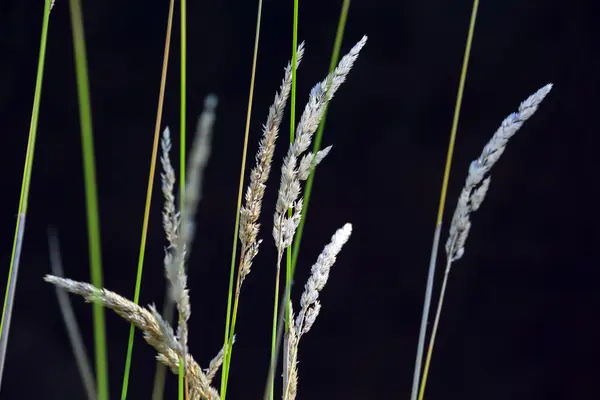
{"x":288,"y":252}
{"x":442,"y":202}
{"x":91,"y":195}
{"x":182,"y":142}
{"x":15,"y":257}
{"x":294,"y":70}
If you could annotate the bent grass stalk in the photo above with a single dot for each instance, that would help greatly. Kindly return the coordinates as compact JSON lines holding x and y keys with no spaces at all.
{"x":138,"y":281}
{"x":15,"y":257}
{"x":472,"y":196}
{"x":91,"y":196}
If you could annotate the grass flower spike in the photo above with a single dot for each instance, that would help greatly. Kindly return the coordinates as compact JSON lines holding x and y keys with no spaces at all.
{"x":157,"y":332}
{"x":309,"y":308}
{"x":471,"y":198}
{"x":477,"y":184}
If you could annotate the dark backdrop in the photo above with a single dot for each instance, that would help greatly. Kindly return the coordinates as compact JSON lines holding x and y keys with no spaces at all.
{"x":521,"y":314}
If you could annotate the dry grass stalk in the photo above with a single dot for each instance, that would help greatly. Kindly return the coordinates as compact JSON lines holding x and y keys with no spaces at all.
{"x":250,"y":212}
{"x":309,"y":308}
{"x":475,"y":189}
{"x":293,"y":171}
{"x":471,"y":198}
{"x":290,"y":356}
{"x":284,"y":227}
{"x":157,"y":332}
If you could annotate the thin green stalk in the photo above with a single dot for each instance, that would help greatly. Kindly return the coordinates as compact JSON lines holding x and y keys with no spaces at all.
{"x":288,"y":252}
{"x":138,"y":281}
{"x":160,"y":374}
{"x":294,"y":68}
{"x":288,"y":270}
{"x":182,"y":142}
{"x":438,"y":227}
{"x":182,"y":131}
{"x":91,"y":196}
{"x":230,"y":319}
{"x":15,"y":257}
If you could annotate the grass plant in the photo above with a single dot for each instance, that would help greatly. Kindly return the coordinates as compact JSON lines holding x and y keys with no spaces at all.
{"x":304,"y":153}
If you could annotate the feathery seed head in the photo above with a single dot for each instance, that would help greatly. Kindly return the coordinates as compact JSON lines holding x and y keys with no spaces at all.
{"x":476,"y":187}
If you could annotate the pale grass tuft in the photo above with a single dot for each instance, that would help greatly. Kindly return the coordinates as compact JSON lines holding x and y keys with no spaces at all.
{"x":170,"y":215}
{"x":306,"y":163}
{"x":197,"y":162}
{"x":476,"y":187}
{"x":216,"y":363}
{"x":250,"y":212}
{"x":180,"y":228}
{"x":157,"y":332}
{"x":285,"y":227}
{"x":309,"y":307}
{"x":290,"y":356}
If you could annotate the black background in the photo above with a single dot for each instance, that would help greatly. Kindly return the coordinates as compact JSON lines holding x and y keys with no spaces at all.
{"x":521,"y":313}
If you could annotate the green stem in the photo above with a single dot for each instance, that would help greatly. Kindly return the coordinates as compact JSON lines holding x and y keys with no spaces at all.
{"x":294,"y":68}
{"x":182,"y":155}
{"x":91,"y":196}
{"x":288,"y":258}
{"x":13,"y":271}
{"x":229,"y":319}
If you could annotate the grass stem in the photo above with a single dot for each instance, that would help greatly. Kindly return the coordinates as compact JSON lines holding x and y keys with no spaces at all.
{"x":13,"y":271}
{"x":91,"y":195}
{"x":182,"y":154}
{"x":442,"y":202}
